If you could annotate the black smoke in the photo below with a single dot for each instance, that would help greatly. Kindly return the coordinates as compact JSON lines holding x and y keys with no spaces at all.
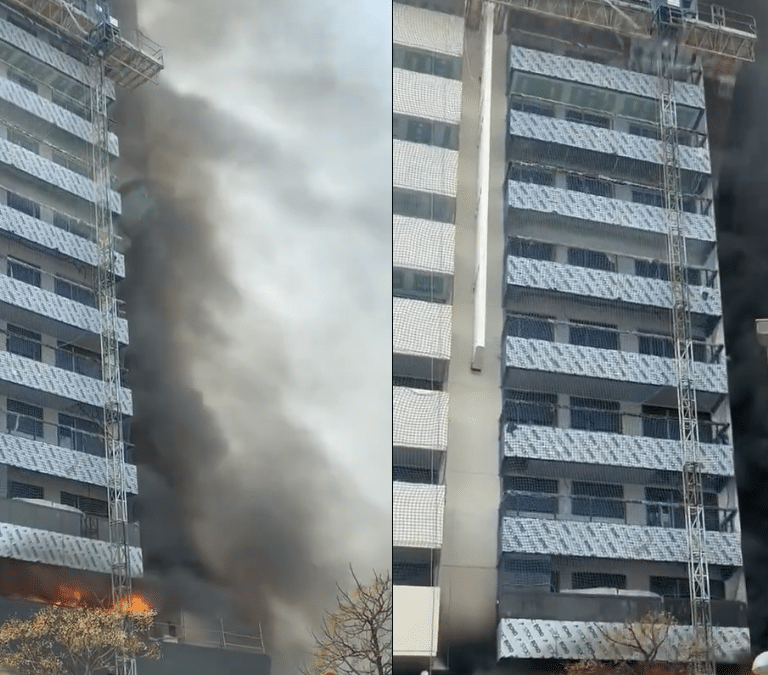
{"x":243,"y":514}
{"x":742,"y":217}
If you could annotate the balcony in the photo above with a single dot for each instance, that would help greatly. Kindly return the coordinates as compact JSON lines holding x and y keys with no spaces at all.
{"x":606,"y":370}
{"x":614,"y":608}
{"x":424,"y":96}
{"x":604,"y":142}
{"x":423,"y":245}
{"x":417,"y":515}
{"x":427,"y":31}
{"x":53,"y":239}
{"x":613,"y":541}
{"x":63,"y":550}
{"x":577,"y":640}
{"x":615,"y":81}
{"x":42,"y":516}
{"x":421,"y":341}
{"x":613,"y":287}
{"x":58,"y":387}
{"x":13,"y":39}
{"x":416,"y":621}
{"x":419,"y":419}
{"x":613,"y":218}
{"x":423,"y":168}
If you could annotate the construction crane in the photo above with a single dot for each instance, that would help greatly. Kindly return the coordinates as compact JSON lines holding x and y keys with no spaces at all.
{"x":127,"y":64}
{"x":669,"y":23}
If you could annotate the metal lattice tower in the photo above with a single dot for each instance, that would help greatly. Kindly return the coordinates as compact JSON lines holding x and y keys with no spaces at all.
{"x":693,"y":499}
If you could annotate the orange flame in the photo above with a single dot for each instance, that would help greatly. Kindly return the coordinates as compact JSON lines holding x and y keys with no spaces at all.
{"x":135,"y":605}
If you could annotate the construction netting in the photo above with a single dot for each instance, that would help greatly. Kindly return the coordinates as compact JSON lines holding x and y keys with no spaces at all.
{"x":592,"y":461}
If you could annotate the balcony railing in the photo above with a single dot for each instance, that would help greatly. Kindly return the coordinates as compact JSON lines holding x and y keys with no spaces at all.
{"x":516,"y":503}
{"x":517,"y":412}
{"x":610,"y":262}
{"x":603,"y":337}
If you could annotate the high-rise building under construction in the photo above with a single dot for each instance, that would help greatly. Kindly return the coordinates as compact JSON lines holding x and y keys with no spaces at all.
{"x":562,"y":456}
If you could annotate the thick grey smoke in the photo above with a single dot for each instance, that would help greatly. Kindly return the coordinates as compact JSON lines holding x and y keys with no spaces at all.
{"x":742,"y":213}
{"x":240,"y":496}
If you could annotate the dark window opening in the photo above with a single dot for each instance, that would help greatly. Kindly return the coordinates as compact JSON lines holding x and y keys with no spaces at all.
{"x":423,"y":205}
{"x":544,"y":109}
{"x":29,"y":274}
{"x":75,"y":292}
{"x":584,"y":580}
{"x":24,"y":490}
{"x":531,"y":327}
{"x":416,"y":383}
{"x":428,"y":132}
{"x":676,"y":587}
{"x":522,"y":573}
{"x":22,"y":80}
{"x":78,"y":360}
{"x":592,"y":186}
{"x":598,"y":500}
{"x":24,"y":343}
{"x":530,"y":249}
{"x":535,"y":503}
{"x":595,"y":260}
{"x":648,"y":197}
{"x":414,"y":474}
{"x":411,"y":573}
{"x":669,"y":512}
{"x":599,"y":336}
{"x":526,"y":174}
{"x":656,"y":346}
{"x":23,"y":419}
{"x":429,"y":64}
{"x":80,"y":434}
{"x":88,"y":505}
{"x":19,"y":203}
{"x":652,"y":269}
{"x":595,"y":415}
{"x":645,"y":131}
{"x":528,"y":407}
{"x":581,"y":117}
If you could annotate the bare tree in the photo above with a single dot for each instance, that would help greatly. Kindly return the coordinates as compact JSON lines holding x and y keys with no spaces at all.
{"x":637,"y":645}
{"x":356,"y":639}
{"x":74,"y":640}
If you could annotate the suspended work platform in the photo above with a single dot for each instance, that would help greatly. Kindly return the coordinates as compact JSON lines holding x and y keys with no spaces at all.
{"x":722,"y":39}
{"x":129,"y":63}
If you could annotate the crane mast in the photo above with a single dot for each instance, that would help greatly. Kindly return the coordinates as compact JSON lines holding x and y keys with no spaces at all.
{"x":693,"y":498}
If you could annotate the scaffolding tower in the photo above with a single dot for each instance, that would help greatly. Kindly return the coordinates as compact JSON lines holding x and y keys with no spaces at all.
{"x":127,"y":64}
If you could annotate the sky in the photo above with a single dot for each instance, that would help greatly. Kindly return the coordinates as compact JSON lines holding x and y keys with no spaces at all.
{"x":315,"y":79}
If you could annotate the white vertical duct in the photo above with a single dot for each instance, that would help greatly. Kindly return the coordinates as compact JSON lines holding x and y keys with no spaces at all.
{"x":483,"y":183}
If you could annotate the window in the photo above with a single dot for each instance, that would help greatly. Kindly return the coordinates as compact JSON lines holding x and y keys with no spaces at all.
{"x":527,"y":573}
{"x":73,"y":225}
{"x":538,"y":503}
{"x":424,"y":62}
{"x":428,"y":284}
{"x":23,"y":419}
{"x":24,"y":342}
{"x":592,"y":186}
{"x":656,"y":346}
{"x":22,"y":80}
{"x":530,"y":249}
{"x":24,"y":141}
{"x":711,"y":514}
{"x":29,"y":274}
{"x":672,"y":587}
{"x":75,"y":292}
{"x":647,"y":197}
{"x":600,"y":336}
{"x":397,"y":280}
{"x":75,"y":107}
{"x":644,"y":130}
{"x":70,"y":162}
{"x":660,"y":422}
{"x":597,"y":500}
{"x":78,"y":360}
{"x":665,"y":509}
{"x":545,"y":109}
{"x":416,"y":383}
{"x":24,"y":490}
{"x":88,"y":505}
{"x":20,"y":22}
{"x":23,"y":204}
{"x":528,"y":407}
{"x":423,"y":205}
{"x":411,"y":573}
{"x":414,"y":474}
{"x":592,"y":259}
{"x":652,"y":269}
{"x":531,"y":327}
{"x":80,"y":434}
{"x":582,"y":580}
{"x":595,"y":415}
{"x":526,"y":174}
{"x":693,"y":275}
{"x":588,"y":118}
{"x":429,"y":132}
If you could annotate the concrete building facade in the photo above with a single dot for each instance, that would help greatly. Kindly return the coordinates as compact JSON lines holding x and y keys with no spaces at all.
{"x":537,"y":498}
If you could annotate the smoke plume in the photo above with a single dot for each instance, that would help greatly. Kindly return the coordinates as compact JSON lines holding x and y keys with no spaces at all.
{"x":245,"y":510}
{"x":742,"y":213}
